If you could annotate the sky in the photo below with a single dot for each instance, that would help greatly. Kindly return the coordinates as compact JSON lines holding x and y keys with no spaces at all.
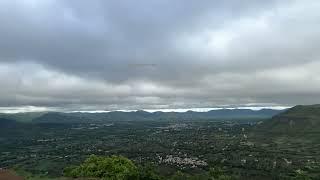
{"x":158,"y":54}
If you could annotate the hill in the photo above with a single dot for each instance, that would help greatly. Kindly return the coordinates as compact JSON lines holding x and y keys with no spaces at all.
{"x":299,"y":119}
{"x":8,"y":123}
{"x":56,"y":117}
{"x":223,"y":114}
{"x":22,"y":117}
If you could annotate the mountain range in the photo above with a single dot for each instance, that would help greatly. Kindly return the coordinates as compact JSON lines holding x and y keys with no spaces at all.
{"x":78,"y":117}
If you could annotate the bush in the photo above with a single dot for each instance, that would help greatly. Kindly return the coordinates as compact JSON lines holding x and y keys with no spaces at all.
{"x":114,"y":168}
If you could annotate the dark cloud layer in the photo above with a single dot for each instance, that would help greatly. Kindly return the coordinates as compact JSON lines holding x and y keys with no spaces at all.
{"x":158,"y":53}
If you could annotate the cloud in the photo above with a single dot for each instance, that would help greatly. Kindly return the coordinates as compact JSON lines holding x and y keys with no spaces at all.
{"x":158,"y":54}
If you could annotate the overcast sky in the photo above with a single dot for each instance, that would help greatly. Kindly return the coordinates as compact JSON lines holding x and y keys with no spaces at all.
{"x":151,"y":54}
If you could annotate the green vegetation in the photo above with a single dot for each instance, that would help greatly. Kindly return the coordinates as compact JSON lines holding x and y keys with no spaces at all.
{"x":295,"y":121}
{"x":22,"y":117}
{"x":165,"y":149}
{"x":121,"y":168}
{"x":114,"y":167}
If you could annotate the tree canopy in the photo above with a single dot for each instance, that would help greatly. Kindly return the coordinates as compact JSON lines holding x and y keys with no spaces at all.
{"x":114,"y":167}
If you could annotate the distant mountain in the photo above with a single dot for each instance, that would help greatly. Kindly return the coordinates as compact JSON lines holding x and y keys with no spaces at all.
{"x":223,"y":114}
{"x":56,"y":117}
{"x":8,"y":123}
{"x":22,"y":117}
{"x":299,"y":119}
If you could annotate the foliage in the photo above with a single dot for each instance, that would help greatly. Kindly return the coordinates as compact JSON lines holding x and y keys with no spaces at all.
{"x":301,"y":175}
{"x":213,"y":174}
{"x":114,"y":167}
{"x":180,"y":176}
{"x":218,"y":174}
{"x":147,"y":172}
{"x":121,"y":168}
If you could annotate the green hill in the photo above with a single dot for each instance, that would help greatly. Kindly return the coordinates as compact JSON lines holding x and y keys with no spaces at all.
{"x":299,"y":119}
{"x":22,"y":117}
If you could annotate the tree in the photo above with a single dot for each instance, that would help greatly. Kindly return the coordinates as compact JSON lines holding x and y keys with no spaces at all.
{"x":114,"y":168}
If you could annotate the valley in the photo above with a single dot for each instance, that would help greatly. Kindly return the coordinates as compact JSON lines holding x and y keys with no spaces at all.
{"x":189,"y":146}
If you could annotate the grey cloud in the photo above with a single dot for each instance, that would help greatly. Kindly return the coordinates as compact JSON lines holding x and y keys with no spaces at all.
{"x":149,"y":54}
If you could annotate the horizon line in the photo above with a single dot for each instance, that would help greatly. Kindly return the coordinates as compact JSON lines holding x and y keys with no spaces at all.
{"x":34,"y":109}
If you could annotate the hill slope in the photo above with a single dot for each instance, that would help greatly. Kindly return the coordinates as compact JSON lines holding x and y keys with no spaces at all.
{"x":22,"y":117}
{"x":299,"y":119}
{"x":8,"y":123}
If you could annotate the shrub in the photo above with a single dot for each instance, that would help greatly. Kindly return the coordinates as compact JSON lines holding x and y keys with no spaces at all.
{"x":114,"y":168}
